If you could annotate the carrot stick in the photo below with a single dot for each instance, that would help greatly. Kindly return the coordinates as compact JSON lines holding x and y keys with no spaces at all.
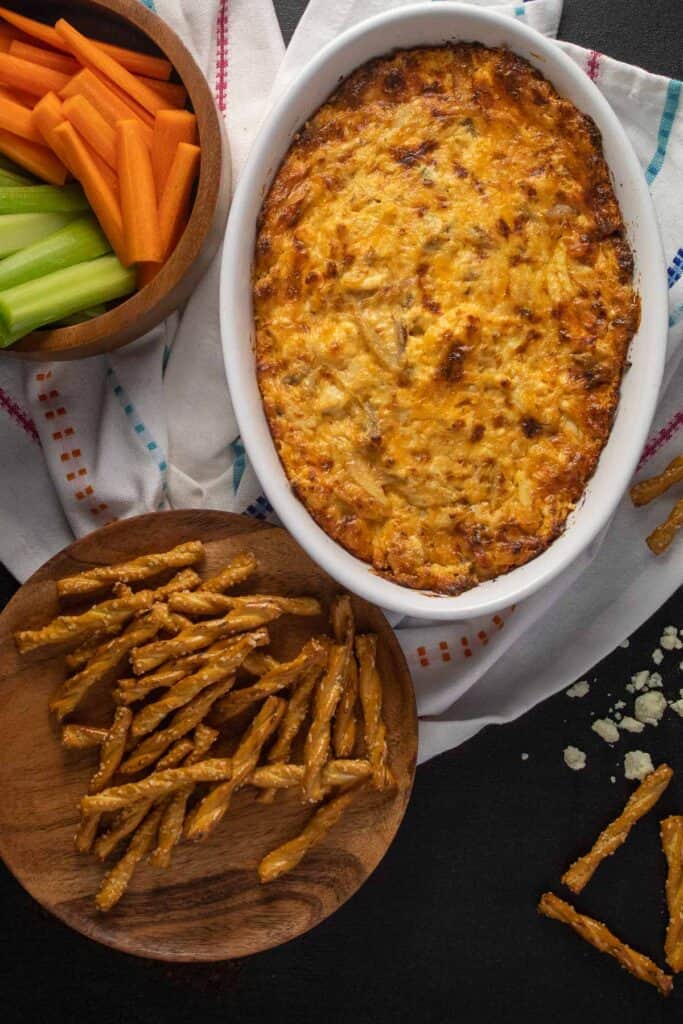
{"x":35,"y":29}
{"x":175,"y":199}
{"x":137,"y":111}
{"x":92,"y":126}
{"x":22,"y":98}
{"x":138,"y":195}
{"x":90,"y":55}
{"x":48,"y":115}
{"x":17,"y":119}
{"x":107,"y":102}
{"x":7,"y":37}
{"x":173,"y":94}
{"x":33,"y":157}
{"x":32,"y":78}
{"x":137,"y":63}
{"x":47,"y":58}
{"x":99,"y":194}
{"x":170,"y":128}
{"x":157,"y":68}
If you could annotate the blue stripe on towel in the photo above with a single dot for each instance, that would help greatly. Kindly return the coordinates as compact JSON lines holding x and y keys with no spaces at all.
{"x":676,"y":315}
{"x":673,"y":95}
{"x":675,"y":271}
{"x":147,"y":441}
{"x":240,"y":463}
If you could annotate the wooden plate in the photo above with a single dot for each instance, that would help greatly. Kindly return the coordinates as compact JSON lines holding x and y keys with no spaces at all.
{"x":209,"y":904}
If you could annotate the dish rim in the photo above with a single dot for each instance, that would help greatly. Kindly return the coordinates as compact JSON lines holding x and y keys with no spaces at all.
{"x":424,"y":23}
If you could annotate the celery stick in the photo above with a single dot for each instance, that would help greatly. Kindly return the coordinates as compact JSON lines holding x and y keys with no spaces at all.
{"x":76,"y":242}
{"x":43,"y":199}
{"x":46,"y":299}
{"x":8,"y":179}
{"x":85,"y":314}
{"x":17,"y":230}
{"x":16,"y":172}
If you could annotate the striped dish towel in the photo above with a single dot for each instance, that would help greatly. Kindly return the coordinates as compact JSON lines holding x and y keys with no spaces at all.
{"x":151,"y":427}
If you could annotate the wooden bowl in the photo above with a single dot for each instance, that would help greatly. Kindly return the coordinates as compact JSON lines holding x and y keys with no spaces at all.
{"x":129,"y":23}
{"x":209,"y":904}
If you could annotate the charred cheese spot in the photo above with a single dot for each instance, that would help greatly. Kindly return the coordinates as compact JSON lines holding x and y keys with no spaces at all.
{"x":444,"y":301}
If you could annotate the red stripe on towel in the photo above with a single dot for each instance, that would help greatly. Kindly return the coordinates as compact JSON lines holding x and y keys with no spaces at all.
{"x":593,"y":65}
{"x":222,"y":56}
{"x":661,"y":438}
{"x":16,"y":413}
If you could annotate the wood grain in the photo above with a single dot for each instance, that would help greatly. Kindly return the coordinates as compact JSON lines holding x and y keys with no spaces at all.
{"x":129,"y":23}
{"x":209,"y":904}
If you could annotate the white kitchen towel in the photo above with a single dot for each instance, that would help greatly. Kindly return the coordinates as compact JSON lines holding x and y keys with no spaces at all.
{"x":151,"y":426}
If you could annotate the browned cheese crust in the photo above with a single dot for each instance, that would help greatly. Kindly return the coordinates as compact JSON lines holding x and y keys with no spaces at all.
{"x":443,"y":301}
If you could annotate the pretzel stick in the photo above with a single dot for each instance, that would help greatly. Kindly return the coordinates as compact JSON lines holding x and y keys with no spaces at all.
{"x":82,"y":655}
{"x":135,"y":688}
{"x":111,"y":753}
{"x":639,"y":803}
{"x":118,"y":879}
{"x":287,"y":856}
{"x":341,"y":772}
{"x":103,"y":662}
{"x":146,"y":658}
{"x":186,"y":579}
{"x":175,"y":754}
{"x":158,"y":784}
{"x":205,"y":603}
{"x":106,"y":617}
{"x":599,"y":936}
{"x":82,"y":737}
{"x":370,"y":689}
{"x":662,"y":535}
{"x":258,"y":663}
{"x":312,"y":654}
{"x":128,"y":819}
{"x":173,"y":818}
{"x":131,"y":572}
{"x":112,"y":750}
{"x":344,"y":727}
{"x":210,"y":811}
{"x":317,"y":746}
{"x":124,"y":825}
{"x":186,"y":719}
{"x":238,"y":570}
{"x":86,"y":832}
{"x":224,"y":664}
{"x":671,"y":831}
{"x":292,"y":720}
{"x":647,"y":490}
{"x":173,"y":622}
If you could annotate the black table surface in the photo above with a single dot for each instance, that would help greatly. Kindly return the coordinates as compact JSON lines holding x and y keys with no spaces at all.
{"x":446,"y":929}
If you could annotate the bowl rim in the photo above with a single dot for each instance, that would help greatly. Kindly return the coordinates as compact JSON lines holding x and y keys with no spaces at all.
{"x":107,"y":332}
{"x":459,"y":21}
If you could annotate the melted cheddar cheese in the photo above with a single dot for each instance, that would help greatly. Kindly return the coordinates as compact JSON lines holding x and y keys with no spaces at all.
{"x":443,"y":304}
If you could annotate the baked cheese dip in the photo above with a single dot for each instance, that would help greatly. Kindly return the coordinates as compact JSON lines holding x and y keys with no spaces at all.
{"x":443,"y":301}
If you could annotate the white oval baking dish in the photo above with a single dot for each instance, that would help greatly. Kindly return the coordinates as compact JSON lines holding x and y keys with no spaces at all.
{"x":433,"y":24}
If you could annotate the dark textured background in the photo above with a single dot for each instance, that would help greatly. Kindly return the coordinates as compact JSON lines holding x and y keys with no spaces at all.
{"x":446,"y":929}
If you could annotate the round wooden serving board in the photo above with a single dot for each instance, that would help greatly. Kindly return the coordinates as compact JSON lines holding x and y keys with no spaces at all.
{"x":209,"y":905}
